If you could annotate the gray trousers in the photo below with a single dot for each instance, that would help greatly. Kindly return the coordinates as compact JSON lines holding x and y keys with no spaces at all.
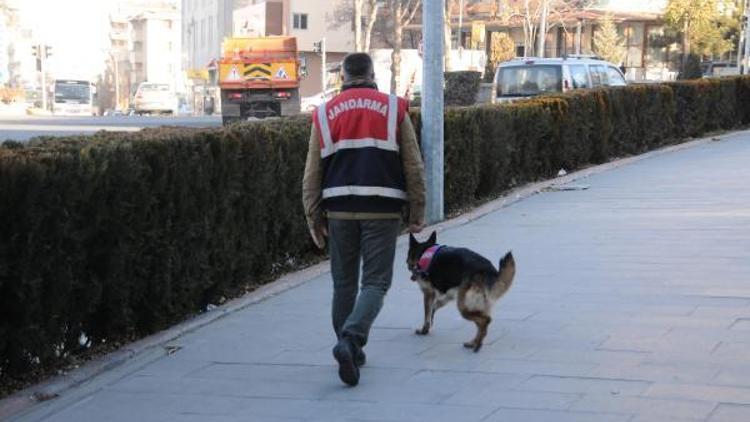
{"x":373,"y":243}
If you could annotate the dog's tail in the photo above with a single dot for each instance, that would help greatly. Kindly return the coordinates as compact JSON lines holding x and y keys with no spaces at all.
{"x":507,"y":271}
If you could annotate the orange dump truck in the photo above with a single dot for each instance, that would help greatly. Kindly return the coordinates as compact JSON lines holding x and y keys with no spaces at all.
{"x":259,"y":77}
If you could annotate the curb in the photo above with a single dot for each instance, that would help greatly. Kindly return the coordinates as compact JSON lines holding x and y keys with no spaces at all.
{"x":24,"y":400}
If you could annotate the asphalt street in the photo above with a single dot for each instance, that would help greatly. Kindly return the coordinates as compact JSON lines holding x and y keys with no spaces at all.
{"x":23,"y":128}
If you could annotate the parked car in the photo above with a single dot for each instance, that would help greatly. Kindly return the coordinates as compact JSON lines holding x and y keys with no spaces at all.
{"x":532,"y":76}
{"x":711,"y":69}
{"x":155,"y":98}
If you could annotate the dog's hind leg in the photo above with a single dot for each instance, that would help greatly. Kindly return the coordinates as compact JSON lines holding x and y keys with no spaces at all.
{"x":429,"y":312}
{"x":482,"y":321}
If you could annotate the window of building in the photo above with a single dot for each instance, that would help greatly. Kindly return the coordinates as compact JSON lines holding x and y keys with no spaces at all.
{"x":661,"y":51}
{"x":137,"y":46}
{"x":300,"y":21}
{"x":203,"y":32}
{"x":633,"y":34}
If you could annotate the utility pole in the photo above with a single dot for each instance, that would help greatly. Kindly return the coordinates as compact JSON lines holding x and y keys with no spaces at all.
{"x":116,"y":66}
{"x":460,"y":29}
{"x":432,"y":106}
{"x":320,"y":47}
{"x":323,"y":70}
{"x":43,"y":57}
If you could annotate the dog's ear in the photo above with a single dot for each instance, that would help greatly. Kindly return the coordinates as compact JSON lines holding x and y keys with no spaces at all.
{"x":412,"y":241}
{"x":433,"y":238}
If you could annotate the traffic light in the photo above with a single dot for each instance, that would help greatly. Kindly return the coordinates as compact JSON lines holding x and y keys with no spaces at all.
{"x":47,"y":51}
{"x":35,"y":51}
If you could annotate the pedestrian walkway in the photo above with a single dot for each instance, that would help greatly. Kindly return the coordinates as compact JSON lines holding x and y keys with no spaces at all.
{"x":631,"y":304}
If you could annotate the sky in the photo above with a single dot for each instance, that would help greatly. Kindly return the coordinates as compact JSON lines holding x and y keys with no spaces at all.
{"x":77,"y":30}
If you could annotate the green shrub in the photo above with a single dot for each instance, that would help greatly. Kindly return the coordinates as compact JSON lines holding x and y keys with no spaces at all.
{"x":462,"y":88}
{"x":119,"y":235}
{"x":118,"y":238}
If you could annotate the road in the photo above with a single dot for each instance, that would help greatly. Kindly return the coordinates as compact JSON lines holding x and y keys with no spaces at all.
{"x":23,"y":128}
{"x":631,"y":304}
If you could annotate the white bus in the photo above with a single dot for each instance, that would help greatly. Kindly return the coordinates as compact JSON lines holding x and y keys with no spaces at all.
{"x":74,"y":98}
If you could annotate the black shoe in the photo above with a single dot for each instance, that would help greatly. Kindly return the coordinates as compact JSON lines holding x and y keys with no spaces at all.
{"x":344,"y":352}
{"x":359,"y":358}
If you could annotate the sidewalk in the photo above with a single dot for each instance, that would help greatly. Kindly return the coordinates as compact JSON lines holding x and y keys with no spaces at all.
{"x":631,"y":303}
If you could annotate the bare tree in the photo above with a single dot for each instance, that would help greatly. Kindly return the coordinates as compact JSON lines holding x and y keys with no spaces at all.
{"x":361,"y":15}
{"x":402,"y":12}
{"x":538,"y":17}
{"x":358,"y":4}
{"x":373,"y":7}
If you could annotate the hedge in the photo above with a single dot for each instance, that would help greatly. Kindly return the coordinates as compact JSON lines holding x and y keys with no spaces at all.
{"x":462,"y":88}
{"x":120,"y":235}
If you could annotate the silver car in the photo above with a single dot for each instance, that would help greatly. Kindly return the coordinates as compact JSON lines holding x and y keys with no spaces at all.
{"x":532,"y":76}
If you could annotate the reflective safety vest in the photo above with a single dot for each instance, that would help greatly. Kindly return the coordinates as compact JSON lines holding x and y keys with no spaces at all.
{"x":359,"y":146}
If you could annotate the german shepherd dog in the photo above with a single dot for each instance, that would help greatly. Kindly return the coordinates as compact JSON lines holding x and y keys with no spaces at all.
{"x":445,"y":273}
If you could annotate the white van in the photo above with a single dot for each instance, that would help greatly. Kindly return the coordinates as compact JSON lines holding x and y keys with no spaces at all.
{"x":532,"y":76}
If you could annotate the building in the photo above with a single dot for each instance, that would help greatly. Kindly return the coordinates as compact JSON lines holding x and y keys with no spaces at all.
{"x":650,"y":55}
{"x":144,"y":45}
{"x":5,"y":36}
{"x":155,"y":51}
{"x":206,"y":23}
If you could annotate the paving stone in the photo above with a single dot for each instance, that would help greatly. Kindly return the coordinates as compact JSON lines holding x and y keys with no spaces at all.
{"x":730,"y":413}
{"x":585,"y":385}
{"x":704,"y":392}
{"x":664,"y":408}
{"x":526,"y":415}
{"x":631,"y":303}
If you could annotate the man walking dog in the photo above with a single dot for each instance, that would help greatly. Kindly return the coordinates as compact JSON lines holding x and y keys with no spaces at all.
{"x":363,"y":170}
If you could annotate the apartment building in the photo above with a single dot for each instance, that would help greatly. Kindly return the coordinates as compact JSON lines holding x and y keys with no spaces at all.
{"x":155,"y":53}
{"x":144,"y":45}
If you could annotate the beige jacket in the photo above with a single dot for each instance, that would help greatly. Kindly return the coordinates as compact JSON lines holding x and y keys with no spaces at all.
{"x":411,"y":160}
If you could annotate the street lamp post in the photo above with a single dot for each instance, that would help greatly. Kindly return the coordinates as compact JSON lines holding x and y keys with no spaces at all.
{"x":433,"y":13}
{"x":116,"y":65}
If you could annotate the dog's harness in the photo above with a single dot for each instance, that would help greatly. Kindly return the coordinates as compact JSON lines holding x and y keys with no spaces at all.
{"x":425,"y":261}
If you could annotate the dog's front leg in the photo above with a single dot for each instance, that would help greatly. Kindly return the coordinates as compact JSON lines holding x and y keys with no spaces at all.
{"x":429,"y":303}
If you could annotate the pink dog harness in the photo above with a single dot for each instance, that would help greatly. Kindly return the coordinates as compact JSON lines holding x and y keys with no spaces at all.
{"x":425,"y":260}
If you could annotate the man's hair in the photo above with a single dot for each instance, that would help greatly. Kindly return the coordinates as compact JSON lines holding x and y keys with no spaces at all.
{"x":358,"y":66}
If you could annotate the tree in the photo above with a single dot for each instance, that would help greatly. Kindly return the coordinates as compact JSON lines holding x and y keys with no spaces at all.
{"x":402,"y":12}
{"x":358,"y":4}
{"x":371,"y":13}
{"x":502,"y":48}
{"x":699,"y":23}
{"x":608,"y":44}
{"x":538,"y":17}
{"x":362,"y":15}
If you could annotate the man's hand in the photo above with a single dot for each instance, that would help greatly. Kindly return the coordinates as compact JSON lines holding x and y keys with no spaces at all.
{"x":415,"y":228}
{"x":319,"y":234}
